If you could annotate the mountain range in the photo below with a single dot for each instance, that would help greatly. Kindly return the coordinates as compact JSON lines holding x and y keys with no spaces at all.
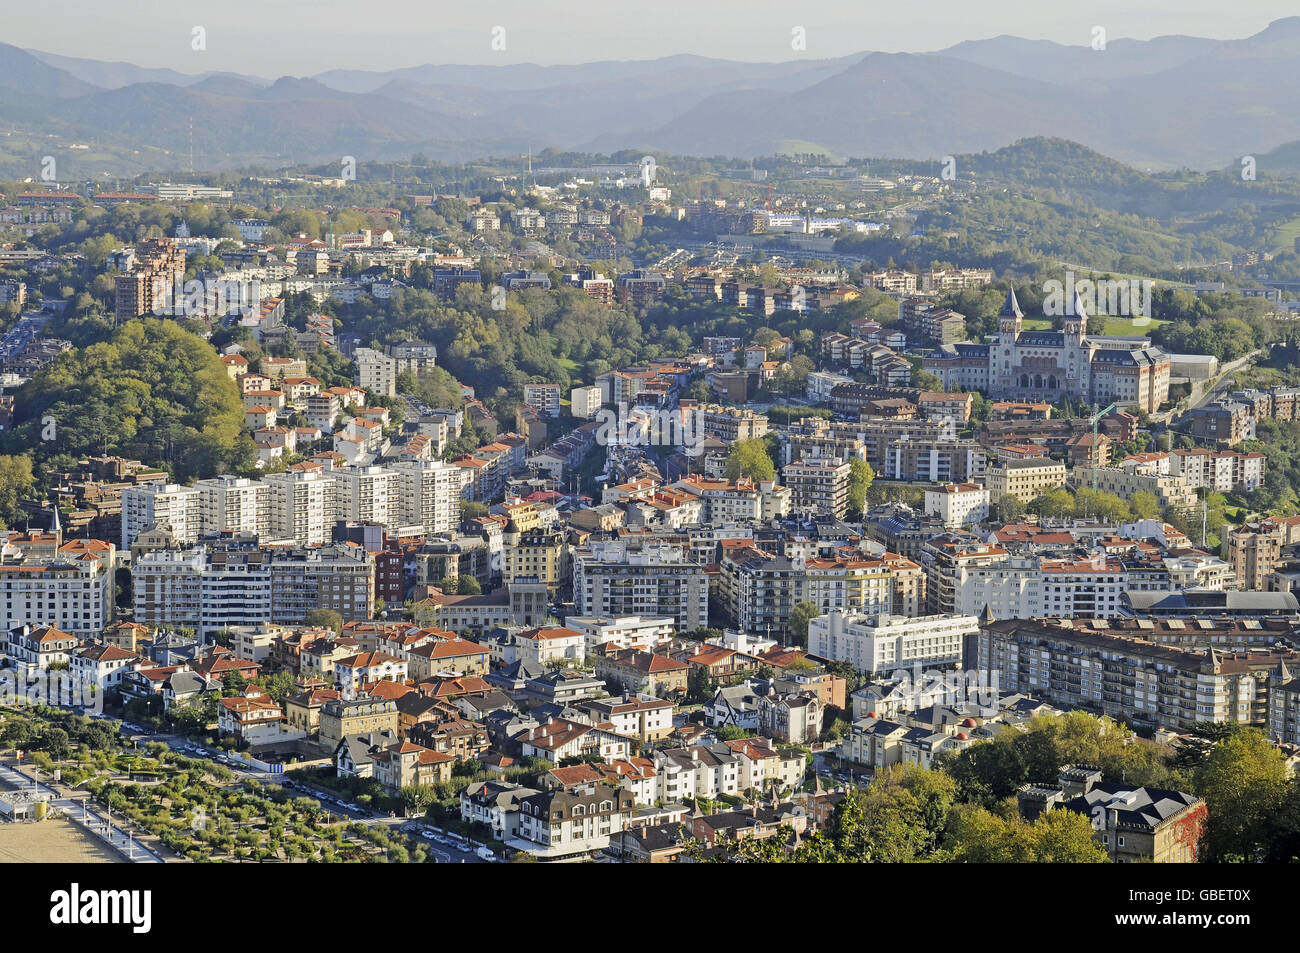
{"x":1173,"y":101}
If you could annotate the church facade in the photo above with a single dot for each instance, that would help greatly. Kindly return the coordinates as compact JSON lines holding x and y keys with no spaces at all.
{"x":1052,"y":365}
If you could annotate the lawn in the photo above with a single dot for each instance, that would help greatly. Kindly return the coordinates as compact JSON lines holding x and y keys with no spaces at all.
{"x":1286,"y":234}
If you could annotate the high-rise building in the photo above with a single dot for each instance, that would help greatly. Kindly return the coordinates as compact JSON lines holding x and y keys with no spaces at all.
{"x":234,"y":503}
{"x":179,"y":507}
{"x":656,"y":580}
{"x":73,"y":595}
{"x":300,"y":506}
{"x":376,"y":372}
{"x":819,"y":486}
{"x":159,"y":266}
{"x":211,"y":588}
{"x":428,"y":493}
{"x":882,"y":643}
{"x":366,"y":495}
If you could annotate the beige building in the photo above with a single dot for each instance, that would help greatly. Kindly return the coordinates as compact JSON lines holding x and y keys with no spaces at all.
{"x":1255,"y":551}
{"x":355,"y":716}
{"x":819,"y":486}
{"x":1023,"y":479}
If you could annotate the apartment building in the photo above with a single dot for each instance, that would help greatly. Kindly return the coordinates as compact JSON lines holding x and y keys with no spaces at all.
{"x":159,"y":266}
{"x":642,"y":717}
{"x":820,"y":487}
{"x":621,"y":632}
{"x":1175,"y":491}
{"x":1024,"y":479}
{"x":210,"y":588}
{"x":429,"y":494}
{"x":1255,"y":552}
{"x":1284,"y":705}
{"x":544,"y":398}
{"x":74,"y":595}
{"x":879,"y":643}
{"x":958,"y":504}
{"x":727,"y":424}
{"x":236,"y":504}
{"x":728,"y":502}
{"x":300,"y":506}
{"x":376,"y":372}
{"x":584,"y":402}
{"x":367,"y":495}
{"x":178,"y":507}
{"x":1224,"y":471}
{"x":934,"y":461}
{"x":657,"y":580}
{"x":1129,"y":679}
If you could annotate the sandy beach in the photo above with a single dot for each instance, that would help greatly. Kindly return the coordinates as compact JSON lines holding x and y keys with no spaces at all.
{"x":52,"y":842}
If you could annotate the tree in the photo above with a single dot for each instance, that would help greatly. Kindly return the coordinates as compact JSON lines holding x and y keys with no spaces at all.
{"x":416,"y":799}
{"x":988,"y":772}
{"x":154,"y":391}
{"x":1007,"y":509}
{"x":1244,"y":784}
{"x":1054,"y":503}
{"x":749,"y":459}
{"x":1144,"y":505}
{"x":324,"y":619}
{"x":699,"y":684}
{"x":860,"y":478}
{"x":800,"y":616}
{"x":977,"y":835}
{"x":16,"y":482}
{"x":460,"y":585}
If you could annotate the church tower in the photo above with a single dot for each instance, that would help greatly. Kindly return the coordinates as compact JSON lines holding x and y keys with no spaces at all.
{"x":1076,"y":324}
{"x":1010,"y":318}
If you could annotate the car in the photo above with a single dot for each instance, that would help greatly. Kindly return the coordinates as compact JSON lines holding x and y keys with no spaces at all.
{"x":428,"y":834}
{"x":485,"y":853}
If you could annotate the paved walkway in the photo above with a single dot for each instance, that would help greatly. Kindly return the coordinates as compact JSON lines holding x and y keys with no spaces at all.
{"x":92,"y":819}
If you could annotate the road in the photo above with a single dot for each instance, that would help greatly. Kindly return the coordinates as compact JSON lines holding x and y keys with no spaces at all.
{"x":1225,"y":385}
{"x":94,"y":820}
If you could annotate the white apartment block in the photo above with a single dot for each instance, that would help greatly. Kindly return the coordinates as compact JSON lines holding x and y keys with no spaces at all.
{"x":180,"y":507}
{"x":234,"y":503}
{"x":323,"y":410}
{"x":75,"y":596}
{"x":882,"y":643}
{"x":300,"y":506}
{"x":727,"y":502}
{"x":624,"y":631}
{"x":819,"y":486}
{"x":376,"y":372}
{"x":958,"y":504}
{"x":1027,"y":587}
{"x":214,"y":589}
{"x":366,"y":495}
{"x":428,"y":494}
{"x":1224,"y":471}
{"x":655,"y":581}
{"x":544,"y":398}
{"x":584,"y":402}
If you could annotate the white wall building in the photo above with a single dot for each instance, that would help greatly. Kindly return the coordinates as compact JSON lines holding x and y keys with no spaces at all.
{"x":958,"y":504}
{"x":234,"y":503}
{"x":428,"y":494}
{"x":882,"y":643}
{"x":180,"y":507}
{"x":300,"y":506}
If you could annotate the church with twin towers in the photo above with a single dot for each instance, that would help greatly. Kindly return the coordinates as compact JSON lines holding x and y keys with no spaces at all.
{"x":1050,"y":366}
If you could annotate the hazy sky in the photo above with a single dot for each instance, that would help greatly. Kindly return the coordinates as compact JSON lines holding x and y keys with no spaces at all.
{"x":278,"y":37}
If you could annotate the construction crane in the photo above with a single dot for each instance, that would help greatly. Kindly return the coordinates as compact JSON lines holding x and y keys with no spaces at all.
{"x":1096,"y":424}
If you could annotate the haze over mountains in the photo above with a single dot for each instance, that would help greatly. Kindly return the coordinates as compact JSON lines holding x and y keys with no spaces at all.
{"x":1171,"y":101}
